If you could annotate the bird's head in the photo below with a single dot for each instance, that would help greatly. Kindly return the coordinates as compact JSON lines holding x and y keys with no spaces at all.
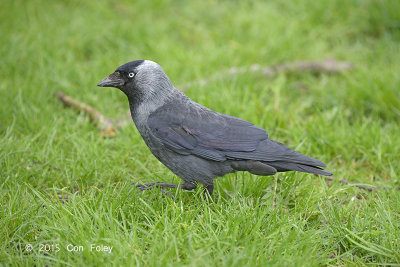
{"x":140,"y":80}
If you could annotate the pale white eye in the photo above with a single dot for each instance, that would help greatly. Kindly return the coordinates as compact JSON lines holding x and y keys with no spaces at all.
{"x":131,"y":74}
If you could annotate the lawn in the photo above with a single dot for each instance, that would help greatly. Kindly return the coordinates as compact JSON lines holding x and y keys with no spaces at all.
{"x":65,"y":189}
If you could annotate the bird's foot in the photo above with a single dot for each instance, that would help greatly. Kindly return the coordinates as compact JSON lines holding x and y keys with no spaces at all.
{"x":147,"y":186}
{"x":162,"y":185}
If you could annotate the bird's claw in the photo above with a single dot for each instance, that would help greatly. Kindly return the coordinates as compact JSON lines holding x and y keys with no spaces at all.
{"x":143,"y":187}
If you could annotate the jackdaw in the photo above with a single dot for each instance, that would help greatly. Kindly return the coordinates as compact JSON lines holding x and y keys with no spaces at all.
{"x":194,"y":142}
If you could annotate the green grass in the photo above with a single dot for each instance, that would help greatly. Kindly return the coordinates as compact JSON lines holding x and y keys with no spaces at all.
{"x":351,"y":121}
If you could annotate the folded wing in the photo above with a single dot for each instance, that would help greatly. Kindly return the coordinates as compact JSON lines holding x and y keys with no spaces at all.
{"x":219,"y":137}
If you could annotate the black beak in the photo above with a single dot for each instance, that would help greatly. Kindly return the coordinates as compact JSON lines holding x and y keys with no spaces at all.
{"x":113,"y":80}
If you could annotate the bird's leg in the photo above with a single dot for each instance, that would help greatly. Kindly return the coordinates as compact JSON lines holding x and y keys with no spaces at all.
{"x":185,"y":185}
{"x":155,"y":184}
{"x":209,"y":188}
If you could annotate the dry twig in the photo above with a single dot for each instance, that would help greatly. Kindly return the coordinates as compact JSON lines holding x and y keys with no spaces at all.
{"x":104,"y":124}
{"x":344,"y":181}
{"x":329,"y":66}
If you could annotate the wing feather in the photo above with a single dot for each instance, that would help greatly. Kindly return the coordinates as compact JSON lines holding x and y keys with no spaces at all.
{"x":209,"y":135}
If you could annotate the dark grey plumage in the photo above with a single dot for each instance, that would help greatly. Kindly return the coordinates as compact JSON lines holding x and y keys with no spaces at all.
{"x":194,"y":142}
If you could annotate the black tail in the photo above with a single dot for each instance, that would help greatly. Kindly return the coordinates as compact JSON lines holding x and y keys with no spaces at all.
{"x":294,"y":161}
{"x":273,"y":154}
{"x":282,"y":166}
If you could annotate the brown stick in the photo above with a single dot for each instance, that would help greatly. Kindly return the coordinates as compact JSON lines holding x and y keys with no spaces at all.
{"x":327,"y":66}
{"x":104,"y":124}
{"x":344,"y":181}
